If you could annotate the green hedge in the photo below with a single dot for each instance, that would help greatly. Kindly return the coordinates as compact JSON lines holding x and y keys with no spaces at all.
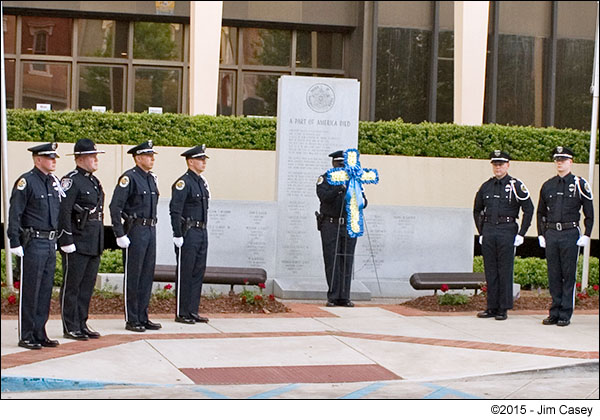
{"x":532,"y":272}
{"x":380,"y":138}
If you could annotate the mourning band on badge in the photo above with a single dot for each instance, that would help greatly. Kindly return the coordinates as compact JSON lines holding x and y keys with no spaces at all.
{"x":124,"y":182}
{"x":180,"y":185}
{"x":21,"y":184}
{"x":320,"y":180}
{"x":66,"y":184}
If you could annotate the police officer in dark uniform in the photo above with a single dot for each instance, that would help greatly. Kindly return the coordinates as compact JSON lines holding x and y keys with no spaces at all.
{"x":81,"y":239}
{"x":133,"y":215}
{"x":338,"y":246}
{"x":561,"y":199}
{"x":496,"y":210}
{"x":189,"y":214}
{"x":32,"y":225}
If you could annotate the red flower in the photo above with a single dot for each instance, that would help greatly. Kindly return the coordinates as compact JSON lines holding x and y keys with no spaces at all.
{"x":595,"y":287}
{"x":580,"y":295}
{"x":271,"y":297}
{"x":258,"y":297}
{"x":246,"y":281}
{"x":244,"y":299}
{"x":168,"y":287}
{"x":17,"y":285}
{"x":261,"y":285}
{"x":578,"y":285}
{"x":12,"y":299}
{"x":484,"y":289}
{"x":444,"y":288}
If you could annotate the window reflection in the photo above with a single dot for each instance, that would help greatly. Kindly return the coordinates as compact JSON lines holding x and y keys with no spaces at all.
{"x":226,"y":89}
{"x":319,"y":50}
{"x":267,"y":47}
{"x":157,"y":87}
{"x":445,"y":78}
{"x":102,"y":38}
{"x":260,"y":94}
{"x":101,"y":85}
{"x":50,"y":86}
{"x":158,"y":41}
{"x":228,"y":45}
{"x":9,"y":25}
{"x":46,"y":35}
{"x":9,"y":73}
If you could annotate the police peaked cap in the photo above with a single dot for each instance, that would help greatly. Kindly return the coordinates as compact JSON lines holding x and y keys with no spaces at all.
{"x":46,"y":149}
{"x":145,"y":147}
{"x":85,"y":147}
{"x":562,"y":152}
{"x":499,"y":156}
{"x":338,"y":155}
{"x":196,"y":152}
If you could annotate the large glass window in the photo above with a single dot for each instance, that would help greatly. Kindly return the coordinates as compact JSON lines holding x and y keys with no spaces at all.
{"x":50,"y":86}
{"x":9,"y":72}
{"x":229,"y":45}
{"x":267,"y":47}
{"x":158,"y":41}
{"x":319,"y":49}
{"x":157,"y":88}
{"x":102,"y":86}
{"x":46,"y":35}
{"x":226,"y":93}
{"x":445,"y":78}
{"x":403,"y":57}
{"x":260,"y":94}
{"x":9,"y":26}
{"x":102,"y":38}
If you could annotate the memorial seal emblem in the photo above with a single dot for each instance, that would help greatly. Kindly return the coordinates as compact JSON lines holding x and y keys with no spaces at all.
{"x":320,"y":97}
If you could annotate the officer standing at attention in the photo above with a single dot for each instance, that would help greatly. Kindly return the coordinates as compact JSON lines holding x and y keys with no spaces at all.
{"x":32,"y":225}
{"x":561,"y":198}
{"x":338,"y":246}
{"x":496,"y":210}
{"x":81,"y":239}
{"x":133,"y":215}
{"x":189,"y":214}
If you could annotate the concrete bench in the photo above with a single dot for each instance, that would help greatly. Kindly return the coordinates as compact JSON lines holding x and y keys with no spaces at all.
{"x":434,"y":281}
{"x":217,"y":275}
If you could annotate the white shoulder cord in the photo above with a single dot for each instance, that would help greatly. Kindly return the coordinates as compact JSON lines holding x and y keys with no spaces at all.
{"x":206,"y":185}
{"x":512,"y":185}
{"x":581,"y":193}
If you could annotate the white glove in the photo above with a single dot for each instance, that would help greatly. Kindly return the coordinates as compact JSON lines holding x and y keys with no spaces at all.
{"x":67,"y":249}
{"x":542,"y":241}
{"x":18,"y":251}
{"x":480,"y":239}
{"x":178,"y":242}
{"x":519,"y":240}
{"x":583,"y":241}
{"x":123,"y":241}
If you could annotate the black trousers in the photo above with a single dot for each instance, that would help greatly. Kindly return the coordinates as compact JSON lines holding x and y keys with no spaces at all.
{"x":561,"y":258}
{"x":79,"y":278}
{"x":338,"y":256}
{"x":139,"y":261}
{"x":191,"y":265}
{"x":498,"y":261}
{"x":37,"y":279}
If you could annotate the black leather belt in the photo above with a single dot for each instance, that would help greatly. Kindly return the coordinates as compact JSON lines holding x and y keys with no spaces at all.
{"x":196,"y":224}
{"x":562,"y":225}
{"x":97,"y":216}
{"x":335,"y":220}
{"x":144,"y":222}
{"x":43,"y":234}
{"x":500,"y":219}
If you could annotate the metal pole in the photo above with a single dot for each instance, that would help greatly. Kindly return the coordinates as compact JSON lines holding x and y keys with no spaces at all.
{"x":4,"y":149}
{"x":593,"y":133}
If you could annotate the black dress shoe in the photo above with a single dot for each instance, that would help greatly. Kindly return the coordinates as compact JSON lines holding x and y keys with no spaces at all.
{"x":30,"y":345}
{"x":347,"y":304}
{"x":46,"y":342}
{"x":563,"y":322}
{"x":330,"y":303}
{"x":488,"y":313}
{"x":550,"y":320}
{"x":134,"y":327}
{"x":198,"y":318}
{"x":501,"y":316}
{"x":90,"y":333}
{"x":75,"y":335}
{"x":184,"y":320}
{"x":149,"y":325}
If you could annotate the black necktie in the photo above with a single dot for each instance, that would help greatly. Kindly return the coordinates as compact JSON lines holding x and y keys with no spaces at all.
{"x":560,"y":192}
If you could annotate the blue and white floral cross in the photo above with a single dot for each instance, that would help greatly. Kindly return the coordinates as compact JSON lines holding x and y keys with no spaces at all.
{"x":353,"y":176}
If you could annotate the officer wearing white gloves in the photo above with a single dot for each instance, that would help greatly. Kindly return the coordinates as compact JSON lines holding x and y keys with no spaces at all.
{"x":32,"y":224}
{"x":496,"y":211}
{"x":561,"y":199}
{"x":189,"y":214}
{"x":133,"y":216}
{"x":81,"y":239}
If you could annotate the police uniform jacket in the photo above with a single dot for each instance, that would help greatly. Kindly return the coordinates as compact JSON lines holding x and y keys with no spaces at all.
{"x":500,"y":199}
{"x":560,"y":201}
{"x":81,"y":211}
{"x":189,"y":201}
{"x":332,"y":198}
{"x":136,"y":196}
{"x":34,"y":203}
